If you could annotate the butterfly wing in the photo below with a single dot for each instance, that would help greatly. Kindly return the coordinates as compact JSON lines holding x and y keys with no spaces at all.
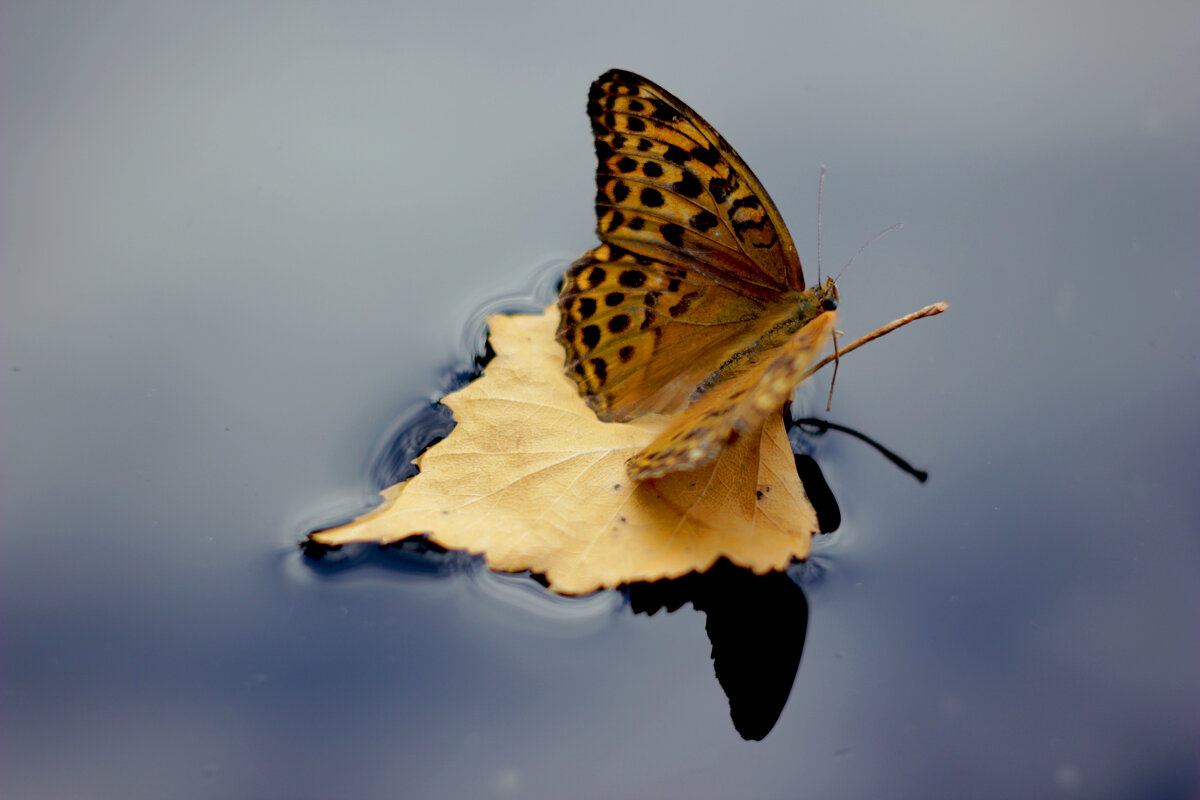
{"x":671,"y":188}
{"x":701,"y":433}
{"x":640,"y":334}
{"x":694,"y":254}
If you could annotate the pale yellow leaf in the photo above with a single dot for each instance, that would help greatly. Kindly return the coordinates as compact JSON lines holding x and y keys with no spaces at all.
{"x":530,"y":478}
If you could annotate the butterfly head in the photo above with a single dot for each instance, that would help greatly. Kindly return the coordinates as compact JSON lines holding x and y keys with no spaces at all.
{"x":826,"y":295}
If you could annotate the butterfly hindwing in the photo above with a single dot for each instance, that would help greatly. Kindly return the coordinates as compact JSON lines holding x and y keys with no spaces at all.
{"x":632,"y":326}
{"x":699,"y":434}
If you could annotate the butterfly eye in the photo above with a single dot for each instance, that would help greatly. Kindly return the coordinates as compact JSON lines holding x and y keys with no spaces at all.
{"x":829,"y":304}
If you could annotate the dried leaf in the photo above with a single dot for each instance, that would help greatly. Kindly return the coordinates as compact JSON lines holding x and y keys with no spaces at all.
{"x":534,"y":481}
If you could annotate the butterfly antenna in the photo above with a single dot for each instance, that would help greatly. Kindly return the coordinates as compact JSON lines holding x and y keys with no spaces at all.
{"x":820,"y":190}
{"x":871,"y":241}
{"x":833,"y":380}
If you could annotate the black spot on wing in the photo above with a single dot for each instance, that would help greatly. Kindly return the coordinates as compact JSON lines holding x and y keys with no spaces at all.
{"x":672,"y":233}
{"x":708,"y":156}
{"x":689,"y":185}
{"x":664,"y":113}
{"x":682,"y":306}
{"x":676,"y":155}
{"x":652,"y":198}
{"x":747,"y":225}
{"x":719,"y":189}
{"x":704,"y":221}
{"x":618,"y":323}
{"x":632,"y":278}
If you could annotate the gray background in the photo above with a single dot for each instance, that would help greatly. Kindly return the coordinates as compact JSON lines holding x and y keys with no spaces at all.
{"x":243,"y":242}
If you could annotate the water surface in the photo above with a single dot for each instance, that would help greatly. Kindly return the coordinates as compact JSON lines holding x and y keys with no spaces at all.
{"x":243,"y":247}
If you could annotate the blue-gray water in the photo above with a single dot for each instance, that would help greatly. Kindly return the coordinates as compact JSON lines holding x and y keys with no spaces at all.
{"x":242,"y":243}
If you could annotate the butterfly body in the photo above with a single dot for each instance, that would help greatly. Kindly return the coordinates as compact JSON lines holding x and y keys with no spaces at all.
{"x":803,"y":309}
{"x":696,"y":289}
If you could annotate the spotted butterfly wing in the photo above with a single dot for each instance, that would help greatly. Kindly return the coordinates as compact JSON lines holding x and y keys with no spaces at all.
{"x":733,"y":408}
{"x":695,"y":264}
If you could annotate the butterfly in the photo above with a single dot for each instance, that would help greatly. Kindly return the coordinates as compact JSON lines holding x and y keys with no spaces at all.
{"x":694,"y":303}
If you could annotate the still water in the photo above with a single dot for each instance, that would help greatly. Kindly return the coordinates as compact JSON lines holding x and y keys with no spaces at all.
{"x":246,"y":250}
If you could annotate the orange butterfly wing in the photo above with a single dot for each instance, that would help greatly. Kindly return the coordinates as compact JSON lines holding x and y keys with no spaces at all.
{"x":699,"y":434}
{"x":696,"y":261}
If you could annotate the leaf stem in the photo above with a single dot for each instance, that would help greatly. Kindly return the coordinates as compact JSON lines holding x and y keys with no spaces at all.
{"x":927,"y":311}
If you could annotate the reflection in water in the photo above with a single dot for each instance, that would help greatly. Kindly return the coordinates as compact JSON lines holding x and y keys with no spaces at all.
{"x":418,"y":430}
{"x":414,"y":556}
{"x":816,"y":427}
{"x":829,"y":516}
{"x":756,"y":624}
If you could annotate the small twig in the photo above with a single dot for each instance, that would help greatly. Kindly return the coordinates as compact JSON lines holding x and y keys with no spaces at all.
{"x":927,"y":311}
